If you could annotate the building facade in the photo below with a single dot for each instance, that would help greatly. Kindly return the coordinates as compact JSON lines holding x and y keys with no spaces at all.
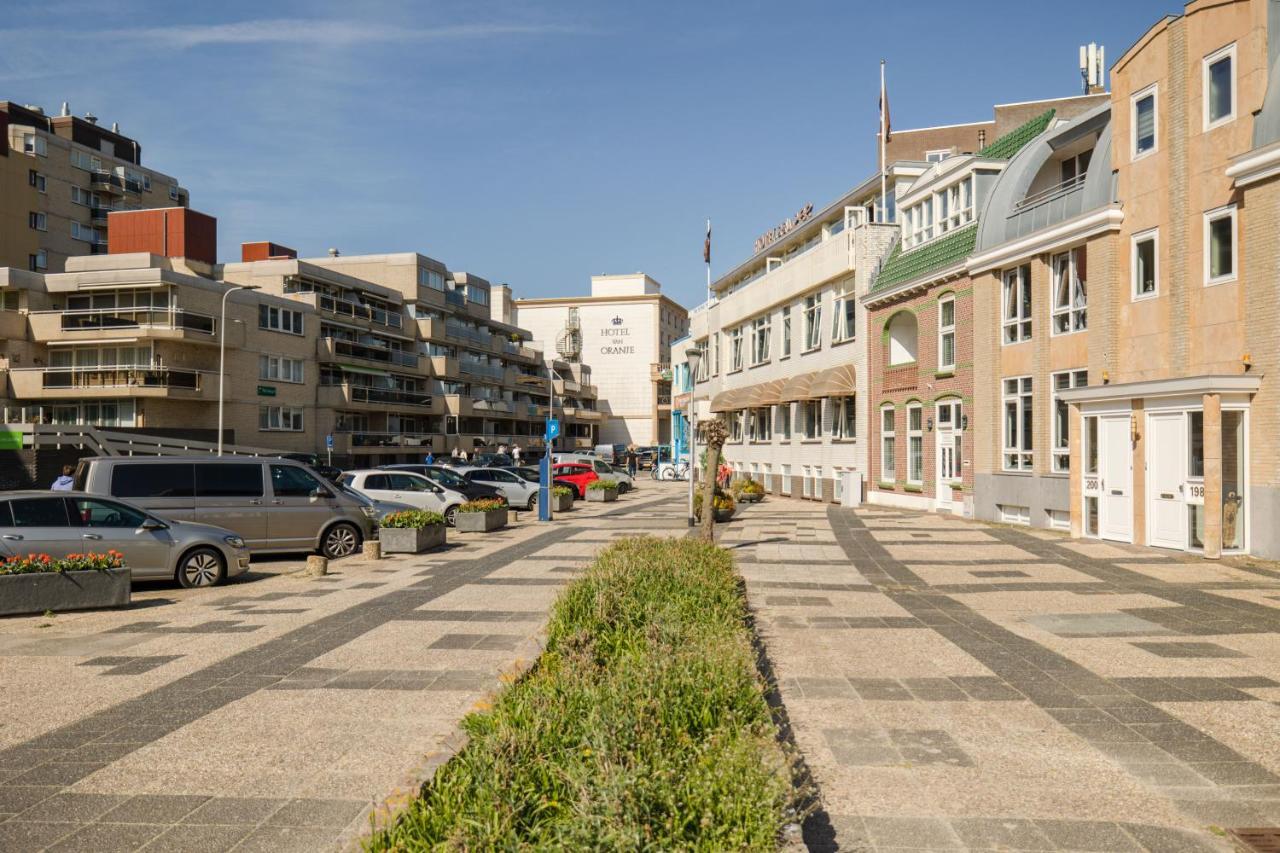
{"x":60,"y":177}
{"x":623,"y":333}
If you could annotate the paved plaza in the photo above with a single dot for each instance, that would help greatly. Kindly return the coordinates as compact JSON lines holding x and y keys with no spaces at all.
{"x":956,"y":685}
{"x":274,"y":713}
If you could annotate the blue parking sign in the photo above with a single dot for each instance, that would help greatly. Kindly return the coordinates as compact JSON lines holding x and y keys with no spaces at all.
{"x":553,"y":428}
{"x":328,"y":441}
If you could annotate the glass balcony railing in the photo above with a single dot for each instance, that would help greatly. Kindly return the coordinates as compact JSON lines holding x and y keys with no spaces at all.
{"x":124,"y":318}
{"x":116,"y":377}
{"x":461,"y":331}
{"x":345,"y":308}
{"x":493,"y":371}
{"x":391,"y":396}
{"x":455,"y":297}
{"x":386,"y":439}
{"x":352,"y":349}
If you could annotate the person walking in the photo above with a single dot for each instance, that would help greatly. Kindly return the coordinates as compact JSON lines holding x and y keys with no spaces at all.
{"x":631,"y":460}
{"x":515,"y":454}
{"x":64,"y":482}
{"x":431,"y":458}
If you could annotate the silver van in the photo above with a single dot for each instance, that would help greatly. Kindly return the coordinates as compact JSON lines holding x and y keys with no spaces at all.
{"x":276,"y":505}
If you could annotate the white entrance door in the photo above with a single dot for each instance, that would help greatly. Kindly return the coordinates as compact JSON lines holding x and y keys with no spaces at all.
{"x":948,"y":443}
{"x":1166,"y":459}
{"x":1117,"y":478}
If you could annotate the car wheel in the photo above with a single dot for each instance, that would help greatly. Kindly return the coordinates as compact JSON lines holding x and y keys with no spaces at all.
{"x":451,"y":516}
{"x":341,"y":540}
{"x":201,"y":567}
{"x":533,"y":502}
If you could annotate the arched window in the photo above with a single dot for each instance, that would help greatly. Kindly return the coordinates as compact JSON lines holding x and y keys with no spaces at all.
{"x":903,"y":334}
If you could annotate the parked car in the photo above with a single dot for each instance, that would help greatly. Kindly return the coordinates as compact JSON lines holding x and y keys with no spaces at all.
{"x":64,"y":523}
{"x":381,"y":509}
{"x":620,"y":476}
{"x":276,"y":505}
{"x":575,"y":473}
{"x":604,"y":470}
{"x":406,"y":487}
{"x":450,"y":479}
{"x":533,"y":475}
{"x":482,"y":459}
{"x":517,"y":490}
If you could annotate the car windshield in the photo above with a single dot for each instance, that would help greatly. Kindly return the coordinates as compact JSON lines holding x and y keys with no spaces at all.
{"x":530,"y":474}
{"x":447,"y":477}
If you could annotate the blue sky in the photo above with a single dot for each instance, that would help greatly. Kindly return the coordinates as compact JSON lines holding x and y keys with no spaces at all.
{"x":536,"y":143}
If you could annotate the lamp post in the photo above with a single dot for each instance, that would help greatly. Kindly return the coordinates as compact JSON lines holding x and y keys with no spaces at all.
{"x":222,"y":352}
{"x":692,"y":357}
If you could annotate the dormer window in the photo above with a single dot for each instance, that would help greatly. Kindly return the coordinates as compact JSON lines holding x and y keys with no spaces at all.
{"x":953,"y":206}
{"x":1075,"y":167}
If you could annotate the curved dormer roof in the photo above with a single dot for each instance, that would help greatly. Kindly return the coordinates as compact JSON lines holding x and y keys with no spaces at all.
{"x":1012,"y":210}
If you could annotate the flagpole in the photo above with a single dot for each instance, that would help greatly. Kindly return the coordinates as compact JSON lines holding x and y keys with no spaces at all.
{"x":884,"y":198}
{"x":707,"y":257}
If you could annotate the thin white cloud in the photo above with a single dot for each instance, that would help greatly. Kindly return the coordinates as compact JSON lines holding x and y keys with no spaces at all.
{"x":312,"y":32}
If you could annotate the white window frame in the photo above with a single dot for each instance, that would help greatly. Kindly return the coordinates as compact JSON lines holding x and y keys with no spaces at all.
{"x":41,"y":257}
{"x":931,"y":156}
{"x":1154,"y":91}
{"x":1228,"y":53}
{"x":812,"y":312}
{"x":1019,"y":448}
{"x":786,"y":332}
{"x":784,"y":472}
{"x":844,"y":327}
{"x":38,"y":180}
{"x":1210,"y":217}
{"x":784,"y":421}
{"x":761,"y":424}
{"x":915,"y":438}
{"x":954,"y":434}
{"x":844,"y":418}
{"x":1060,"y":445}
{"x":281,"y":419}
{"x":947,"y":331}
{"x":814,"y":434}
{"x":735,"y":426}
{"x":38,"y":145}
{"x":39,"y":221}
{"x":281,"y":326}
{"x":281,"y":368}
{"x":735,"y":348}
{"x":1017,"y":327}
{"x":761,"y":332}
{"x":1152,"y":234}
{"x":888,"y":446}
{"x":1077,"y":316}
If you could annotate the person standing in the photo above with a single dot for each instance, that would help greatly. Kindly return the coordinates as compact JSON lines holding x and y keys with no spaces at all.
{"x":65,"y":481}
{"x":431,"y":458}
{"x":456,"y":451}
{"x":631,"y":460}
{"x":515,"y":454}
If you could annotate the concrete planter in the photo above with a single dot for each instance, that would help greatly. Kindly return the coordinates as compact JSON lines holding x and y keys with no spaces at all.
{"x":411,"y":540}
{"x":749,"y":498}
{"x":38,"y":592}
{"x":561,"y":503}
{"x":602,"y":495}
{"x":480,"y":522}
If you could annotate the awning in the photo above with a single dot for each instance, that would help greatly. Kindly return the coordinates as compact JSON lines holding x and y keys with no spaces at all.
{"x":838,"y":381}
{"x":726,"y":401}
{"x":796,"y":389}
{"x":370,"y":371}
{"x":764,"y":394}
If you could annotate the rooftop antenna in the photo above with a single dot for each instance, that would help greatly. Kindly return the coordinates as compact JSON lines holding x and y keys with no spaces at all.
{"x":1093,"y":68}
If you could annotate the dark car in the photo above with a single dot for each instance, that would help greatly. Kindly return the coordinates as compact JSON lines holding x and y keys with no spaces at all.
{"x":485,"y":459}
{"x":450,"y":479}
{"x":533,"y":476}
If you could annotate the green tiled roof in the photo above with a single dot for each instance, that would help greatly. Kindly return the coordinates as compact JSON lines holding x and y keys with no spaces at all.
{"x":1011,"y":143}
{"x":935,"y":255}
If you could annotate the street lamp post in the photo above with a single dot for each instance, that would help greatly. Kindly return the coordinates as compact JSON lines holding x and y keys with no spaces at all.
{"x":693,"y":357}
{"x":222,"y":352}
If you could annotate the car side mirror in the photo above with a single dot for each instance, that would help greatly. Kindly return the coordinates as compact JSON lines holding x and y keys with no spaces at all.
{"x":149,"y":524}
{"x":321,"y":493}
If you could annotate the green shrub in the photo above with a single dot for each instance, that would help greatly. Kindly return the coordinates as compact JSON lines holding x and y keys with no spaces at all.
{"x":752,"y":487}
{"x":643,"y":725}
{"x":719,"y":500}
{"x":44,"y":563}
{"x":602,"y":486}
{"x":562,"y":491}
{"x":482,"y":505}
{"x":412,"y":518}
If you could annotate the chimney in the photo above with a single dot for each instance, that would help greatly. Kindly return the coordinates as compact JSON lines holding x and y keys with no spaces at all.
{"x":115,"y":127}
{"x":66,"y":109}
{"x":91,"y":118}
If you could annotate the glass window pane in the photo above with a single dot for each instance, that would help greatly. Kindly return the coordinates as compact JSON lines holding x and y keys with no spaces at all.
{"x":1233,"y":479}
{"x":162,"y":480}
{"x":1221,"y":262}
{"x":39,"y":512}
{"x":1220,"y":89}
{"x":232,"y":480}
{"x":1196,"y":462}
{"x":97,"y":513}
{"x":1145,"y":124}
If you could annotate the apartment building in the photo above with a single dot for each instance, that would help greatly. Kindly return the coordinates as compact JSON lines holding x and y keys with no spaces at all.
{"x":623,"y":332}
{"x":390,"y":356}
{"x":60,"y":177}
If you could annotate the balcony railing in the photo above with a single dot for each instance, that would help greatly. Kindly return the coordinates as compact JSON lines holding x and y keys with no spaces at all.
{"x":1051,"y":193}
{"x":492,"y":406}
{"x":461,"y":331}
{"x":345,"y":308}
{"x":392,"y":396}
{"x":125,"y":318}
{"x":106,"y":181}
{"x":664,"y":399}
{"x":115,"y":377}
{"x":455,"y":297}
{"x":351,"y":349}
{"x":493,"y":371}
{"x":387,"y":439}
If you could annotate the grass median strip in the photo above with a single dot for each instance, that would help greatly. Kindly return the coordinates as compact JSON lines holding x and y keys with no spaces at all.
{"x":643,"y":726}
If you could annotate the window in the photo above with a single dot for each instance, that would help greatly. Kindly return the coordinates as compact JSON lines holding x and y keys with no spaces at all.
{"x":716,"y":363}
{"x":1018,"y":416}
{"x":844,"y":418}
{"x":229,"y":480}
{"x":812,"y":322}
{"x":277,"y":368}
{"x":40,"y":222}
{"x":762,"y":424}
{"x":36,"y":180}
{"x":1220,"y":245}
{"x":86,"y":161}
{"x":704,"y":363}
{"x":888,"y":456}
{"x":761,"y":329}
{"x":1062,"y":416}
{"x":39,"y":261}
{"x":784,"y":421}
{"x":915,"y":444}
{"x":1219,"y":87}
{"x":290,"y":481}
{"x":735,"y":349}
{"x":1012,"y":514}
{"x":844,"y":326}
{"x":79,"y":195}
{"x":1017,"y":305}
{"x":1144,"y":264}
{"x":947,"y":333}
{"x":937,"y":156}
{"x":279,"y":419}
{"x":279,"y":319}
{"x":430,"y":278}
{"x":1069,"y":311}
{"x":903,"y":337}
{"x":93,"y":512}
{"x":1143,"y":122}
{"x":1074,"y":168}
{"x":35,"y":144}
{"x":159,"y":480}
{"x":784,"y":472}
{"x":173,"y":192}
{"x":83,"y":232}
{"x":786,"y":331}
{"x":735,"y":426}
{"x":40,"y":512}
{"x":812,"y":414}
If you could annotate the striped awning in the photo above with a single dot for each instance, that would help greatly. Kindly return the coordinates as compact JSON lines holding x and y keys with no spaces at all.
{"x":727,"y":401}
{"x":840,"y":381}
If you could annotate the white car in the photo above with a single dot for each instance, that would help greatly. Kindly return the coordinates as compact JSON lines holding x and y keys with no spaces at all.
{"x":406,"y":488}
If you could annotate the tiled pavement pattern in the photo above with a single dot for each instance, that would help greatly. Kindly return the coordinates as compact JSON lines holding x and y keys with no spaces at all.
{"x":955,"y":685}
{"x":271,"y":714}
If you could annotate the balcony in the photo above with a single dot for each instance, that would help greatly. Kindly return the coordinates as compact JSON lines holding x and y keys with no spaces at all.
{"x":85,"y":324}
{"x":336,"y":349}
{"x":99,"y":247}
{"x":347,"y":395}
{"x":108,"y":183}
{"x":463,"y":332}
{"x":496,"y":372}
{"x":455,"y":298}
{"x":820,"y":263}
{"x":431,"y":329}
{"x":458,"y":405}
{"x":493,"y":406}
{"x":1048,"y":207}
{"x":445,"y":366}
{"x":356,"y":311}
{"x":99,"y":215}
{"x":349,"y":441}
{"x":109,"y":382}
{"x":568,"y":386}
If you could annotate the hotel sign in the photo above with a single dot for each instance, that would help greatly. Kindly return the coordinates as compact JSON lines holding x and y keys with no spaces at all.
{"x":775,"y":234}
{"x":616,"y":339}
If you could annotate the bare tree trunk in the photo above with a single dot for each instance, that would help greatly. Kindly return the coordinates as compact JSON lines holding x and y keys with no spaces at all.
{"x":708,"y":492}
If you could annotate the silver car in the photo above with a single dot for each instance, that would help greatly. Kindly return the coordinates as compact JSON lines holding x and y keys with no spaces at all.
{"x":153,"y":547}
{"x":378,"y":508}
{"x":518,"y":491}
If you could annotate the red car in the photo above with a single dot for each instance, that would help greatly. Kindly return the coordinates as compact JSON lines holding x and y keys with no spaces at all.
{"x":578,"y":475}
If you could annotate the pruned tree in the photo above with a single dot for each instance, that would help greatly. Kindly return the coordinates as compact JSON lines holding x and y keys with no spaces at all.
{"x":714,"y":434}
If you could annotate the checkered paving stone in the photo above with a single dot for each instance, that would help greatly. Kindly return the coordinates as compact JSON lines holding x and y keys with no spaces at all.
{"x":1023,"y":711}
{"x":226,"y":753}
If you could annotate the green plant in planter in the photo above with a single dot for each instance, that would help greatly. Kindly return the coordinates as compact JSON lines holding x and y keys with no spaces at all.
{"x":411,"y":518}
{"x":722,"y":503}
{"x":44,"y":563}
{"x":561,"y":492}
{"x":753,"y":487}
{"x":602,"y":486}
{"x":484,"y":505}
